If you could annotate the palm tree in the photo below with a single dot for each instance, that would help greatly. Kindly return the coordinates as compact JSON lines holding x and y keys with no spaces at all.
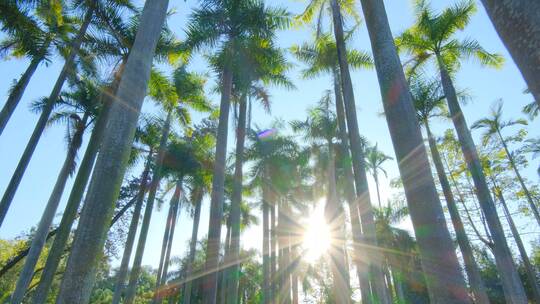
{"x":357,"y":151}
{"x":413,"y":163}
{"x":68,"y":67}
{"x":230,"y":16}
{"x":321,"y":56}
{"x":112,"y":160}
{"x":78,"y":109}
{"x":493,"y":129}
{"x":517,"y":24}
{"x":374,"y":161}
{"x":429,"y":104}
{"x":27,"y":38}
{"x":432,"y":38}
{"x":321,"y":125}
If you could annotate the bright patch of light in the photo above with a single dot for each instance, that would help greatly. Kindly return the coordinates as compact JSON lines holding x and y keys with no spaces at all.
{"x":317,"y":235}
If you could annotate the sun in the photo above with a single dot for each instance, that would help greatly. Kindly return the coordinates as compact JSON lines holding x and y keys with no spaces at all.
{"x":316,"y":241}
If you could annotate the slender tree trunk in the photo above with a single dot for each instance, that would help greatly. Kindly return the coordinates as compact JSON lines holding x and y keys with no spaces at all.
{"x":193,"y":244}
{"x":439,"y":260}
{"x":175,"y":209}
{"x":357,"y":152}
{"x":512,"y":286}
{"x":154,"y":185}
{"x":40,"y":237}
{"x":217,"y":197}
{"x":335,"y":221}
{"x":295,"y":288}
{"x":164,"y":245}
{"x":266,"y":245}
{"x":222,"y":286}
{"x":68,"y":68}
{"x":234,"y":269}
{"x":112,"y":160}
{"x":376,"y":178}
{"x":273,"y":249}
{"x":531,"y":275}
{"x":121,"y":275}
{"x":473,"y":273}
{"x":518,"y":24}
{"x":17,"y":92}
{"x":361,"y":268}
{"x":530,"y":199}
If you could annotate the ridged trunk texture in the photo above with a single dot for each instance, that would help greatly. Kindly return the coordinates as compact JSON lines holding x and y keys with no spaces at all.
{"x":357,"y":151}
{"x":518,"y":24}
{"x":348,"y":180}
{"x":122,"y":272}
{"x":193,"y":244}
{"x":513,"y":288}
{"x":266,"y":245}
{"x":68,"y":68}
{"x":217,"y":197}
{"x":529,"y":269}
{"x":148,"y":210}
{"x":439,"y":260}
{"x":40,"y":237}
{"x":233,"y":271}
{"x":112,"y":160}
{"x":473,"y":273}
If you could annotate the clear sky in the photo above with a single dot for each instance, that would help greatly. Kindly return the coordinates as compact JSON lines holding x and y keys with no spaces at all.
{"x":485,"y":85}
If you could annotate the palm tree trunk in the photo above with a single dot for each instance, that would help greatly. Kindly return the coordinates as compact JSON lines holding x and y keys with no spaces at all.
{"x":512,"y":286}
{"x":112,"y":160}
{"x":217,"y":197}
{"x":376,"y":178}
{"x":531,"y":275}
{"x":193,"y":244}
{"x":76,"y":194}
{"x":357,"y":152}
{"x":233,"y":272}
{"x":266,"y":245}
{"x":518,"y":24}
{"x":335,"y":221}
{"x":164,"y":245}
{"x":18,"y":90}
{"x":40,"y":237}
{"x":154,"y":185}
{"x":273,"y":250}
{"x":361,"y":269}
{"x":530,"y":199}
{"x":130,"y":240}
{"x":68,"y":68}
{"x":175,"y":209}
{"x":473,"y":273}
{"x":439,"y":260}
{"x":294,"y":287}
{"x":222,"y":286}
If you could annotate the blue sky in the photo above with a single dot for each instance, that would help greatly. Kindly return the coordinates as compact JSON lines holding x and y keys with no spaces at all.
{"x":485,"y":85}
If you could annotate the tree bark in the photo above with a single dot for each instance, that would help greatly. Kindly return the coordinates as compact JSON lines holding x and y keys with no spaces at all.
{"x":358,"y":160}
{"x":439,"y":260}
{"x":217,"y":197}
{"x":361,"y":268}
{"x":130,"y":240}
{"x":512,"y":286}
{"x":148,"y":210}
{"x":68,"y":68}
{"x":112,"y":160}
{"x":266,"y":244}
{"x":274,"y":288}
{"x":17,"y":92}
{"x":40,"y":237}
{"x":473,"y":273}
{"x":164,"y":245}
{"x":175,"y":209}
{"x":193,"y":244}
{"x":518,"y":24}
{"x":531,"y":275}
{"x":530,"y":199}
{"x":236,"y":200}
{"x":335,"y":222}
